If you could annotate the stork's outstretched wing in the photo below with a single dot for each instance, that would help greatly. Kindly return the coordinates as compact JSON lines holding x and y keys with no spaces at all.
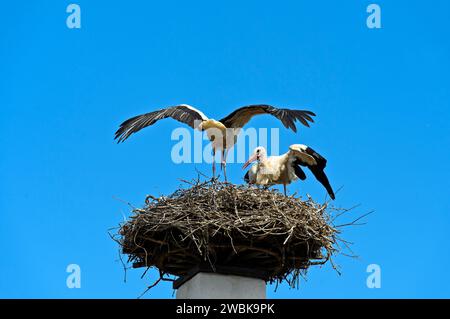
{"x":183,"y":113}
{"x":298,"y":155}
{"x":320,"y":175}
{"x":302,"y":156}
{"x":241,"y":116}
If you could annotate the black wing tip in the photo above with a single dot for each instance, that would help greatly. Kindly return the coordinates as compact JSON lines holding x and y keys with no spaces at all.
{"x":298,"y":171}
{"x":331,"y":193}
{"x":306,"y":116}
{"x":293,"y":128}
{"x":119,"y":139}
{"x":303,"y":116}
{"x":328,"y":187}
{"x":120,"y":135}
{"x":309,"y":112}
{"x":246,"y":177}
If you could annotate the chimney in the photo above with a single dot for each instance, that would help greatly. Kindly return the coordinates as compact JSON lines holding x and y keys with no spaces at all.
{"x":208,"y":285}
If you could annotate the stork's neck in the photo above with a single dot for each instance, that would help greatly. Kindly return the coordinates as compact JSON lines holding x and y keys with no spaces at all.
{"x":263,"y":159}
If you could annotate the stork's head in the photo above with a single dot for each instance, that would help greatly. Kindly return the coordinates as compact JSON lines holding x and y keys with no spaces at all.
{"x":259,"y":154}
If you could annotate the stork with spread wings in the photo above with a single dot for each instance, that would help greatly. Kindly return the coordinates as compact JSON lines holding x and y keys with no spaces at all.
{"x":232,"y":123}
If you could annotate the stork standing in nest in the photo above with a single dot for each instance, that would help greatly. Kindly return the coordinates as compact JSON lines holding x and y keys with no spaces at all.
{"x":286,"y":168}
{"x":223,"y":133}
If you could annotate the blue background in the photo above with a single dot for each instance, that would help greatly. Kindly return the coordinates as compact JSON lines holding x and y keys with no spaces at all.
{"x":381,"y":98}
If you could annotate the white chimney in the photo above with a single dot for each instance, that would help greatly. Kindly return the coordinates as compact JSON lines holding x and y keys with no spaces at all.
{"x":206,"y":285}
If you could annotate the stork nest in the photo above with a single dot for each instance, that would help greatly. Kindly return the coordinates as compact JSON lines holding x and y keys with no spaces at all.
{"x":215,"y":225}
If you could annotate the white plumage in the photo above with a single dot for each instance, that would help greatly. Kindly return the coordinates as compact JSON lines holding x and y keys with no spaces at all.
{"x":222,"y":134}
{"x":285,"y":169}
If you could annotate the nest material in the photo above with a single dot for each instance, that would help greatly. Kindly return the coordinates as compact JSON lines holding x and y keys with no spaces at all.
{"x":213,"y":224}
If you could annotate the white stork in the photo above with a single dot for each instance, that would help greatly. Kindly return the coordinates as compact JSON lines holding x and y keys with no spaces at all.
{"x":197,"y":120}
{"x":284,"y":169}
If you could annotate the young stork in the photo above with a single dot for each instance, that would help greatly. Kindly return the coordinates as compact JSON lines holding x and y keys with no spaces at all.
{"x":223,"y":133}
{"x":284,"y":169}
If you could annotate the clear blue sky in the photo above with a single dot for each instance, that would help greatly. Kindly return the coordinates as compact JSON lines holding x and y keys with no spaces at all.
{"x":381,"y":98}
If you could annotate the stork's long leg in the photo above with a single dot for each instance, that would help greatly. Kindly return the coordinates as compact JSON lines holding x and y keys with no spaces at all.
{"x":224,"y":163}
{"x":214,"y":162}
{"x":284,"y":186}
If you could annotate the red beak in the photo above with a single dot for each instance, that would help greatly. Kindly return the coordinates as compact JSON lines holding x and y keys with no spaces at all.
{"x":252,"y":158}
